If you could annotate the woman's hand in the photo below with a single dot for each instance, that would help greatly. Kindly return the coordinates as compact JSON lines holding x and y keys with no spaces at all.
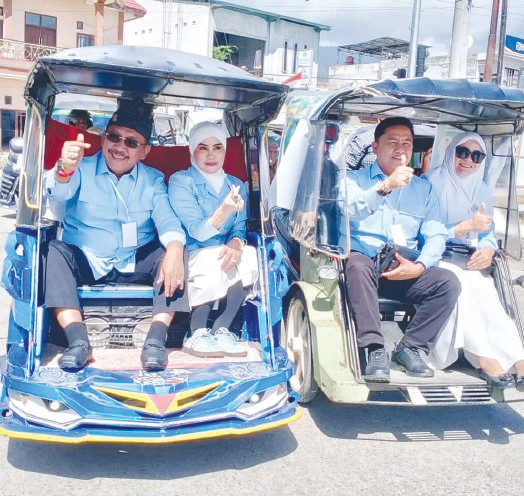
{"x":231,"y":254}
{"x":233,"y":202}
{"x":481,"y":259}
{"x":478,"y":223}
{"x":171,"y":270}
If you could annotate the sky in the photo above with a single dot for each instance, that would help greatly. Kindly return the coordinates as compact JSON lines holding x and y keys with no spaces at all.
{"x":354,"y":21}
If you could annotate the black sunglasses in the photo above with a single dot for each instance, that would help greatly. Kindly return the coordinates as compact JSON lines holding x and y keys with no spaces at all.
{"x":464,"y":152}
{"x":129,"y":142}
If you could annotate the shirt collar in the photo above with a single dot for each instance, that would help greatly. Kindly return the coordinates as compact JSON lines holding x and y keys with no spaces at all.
{"x":102,"y":168}
{"x":376,"y":171}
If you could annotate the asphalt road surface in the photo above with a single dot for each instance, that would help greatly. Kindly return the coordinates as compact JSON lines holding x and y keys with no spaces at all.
{"x":333,"y":449}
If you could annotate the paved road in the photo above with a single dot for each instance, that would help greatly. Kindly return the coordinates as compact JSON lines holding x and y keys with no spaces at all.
{"x":332,"y":450}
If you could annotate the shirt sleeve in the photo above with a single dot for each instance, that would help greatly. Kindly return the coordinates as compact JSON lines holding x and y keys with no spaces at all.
{"x":185,"y":205}
{"x":166,"y":222}
{"x":61,"y":191}
{"x":361,"y":203}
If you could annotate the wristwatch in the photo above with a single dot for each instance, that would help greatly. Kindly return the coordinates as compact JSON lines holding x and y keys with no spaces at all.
{"x":379,"y":188}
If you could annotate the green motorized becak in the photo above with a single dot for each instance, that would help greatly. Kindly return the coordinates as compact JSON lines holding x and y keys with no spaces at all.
{"x":317,"y":215}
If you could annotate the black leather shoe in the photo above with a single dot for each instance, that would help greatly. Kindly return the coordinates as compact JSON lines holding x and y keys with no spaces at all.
{"x":411,"y":362}
{"x":76,"y":356}
{"x":377,"y":367}
{"x":154,"y":355}
{"x":502,"y":381}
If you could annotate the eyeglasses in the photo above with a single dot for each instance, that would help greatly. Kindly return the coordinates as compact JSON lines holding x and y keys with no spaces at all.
{"x":464,"y":152}
{"x":129,"y":142}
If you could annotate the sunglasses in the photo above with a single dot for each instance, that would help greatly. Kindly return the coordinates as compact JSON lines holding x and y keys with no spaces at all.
{"x":129,"y":142}
{"x":464,"y":152}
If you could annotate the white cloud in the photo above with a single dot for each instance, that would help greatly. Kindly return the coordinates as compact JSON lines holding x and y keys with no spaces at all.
{"x":353,"y":21}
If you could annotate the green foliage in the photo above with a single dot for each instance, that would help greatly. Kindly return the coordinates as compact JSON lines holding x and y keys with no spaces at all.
{"x":224,"y":52}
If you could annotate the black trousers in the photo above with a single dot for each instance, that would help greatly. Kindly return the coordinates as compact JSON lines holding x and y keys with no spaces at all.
{"x":434,"y":295}
{"x":67,"y":268}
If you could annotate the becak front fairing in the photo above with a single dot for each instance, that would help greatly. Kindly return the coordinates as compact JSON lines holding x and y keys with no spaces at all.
{"x":98,"y":359}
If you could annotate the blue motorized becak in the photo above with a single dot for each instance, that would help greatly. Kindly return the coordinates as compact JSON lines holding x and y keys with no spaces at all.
{"x":115,"y":397}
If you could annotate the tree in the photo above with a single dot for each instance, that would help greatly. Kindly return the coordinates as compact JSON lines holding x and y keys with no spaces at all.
{"x":224,"y":52}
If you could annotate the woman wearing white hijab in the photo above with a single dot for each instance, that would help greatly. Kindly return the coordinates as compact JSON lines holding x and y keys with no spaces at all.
{"x":212,"y":207}
{"x":488,"y":336}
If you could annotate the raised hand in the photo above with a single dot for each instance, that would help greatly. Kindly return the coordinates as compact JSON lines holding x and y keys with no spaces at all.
{"x":481,"y":222}
{"x":72,"y":153}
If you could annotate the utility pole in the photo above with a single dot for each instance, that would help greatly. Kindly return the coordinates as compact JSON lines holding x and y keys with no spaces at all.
{"x":413,"y":41}
{"x":459,"y":39}
{"x":490,"y":53}
{"x":502,"y":40}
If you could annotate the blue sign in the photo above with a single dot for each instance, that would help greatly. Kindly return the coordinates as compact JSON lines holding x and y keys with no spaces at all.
{"x":515,"y":44}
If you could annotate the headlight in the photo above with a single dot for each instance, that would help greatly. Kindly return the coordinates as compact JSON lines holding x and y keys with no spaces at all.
{"x":40,"y":410}
{"x":263,"y":402}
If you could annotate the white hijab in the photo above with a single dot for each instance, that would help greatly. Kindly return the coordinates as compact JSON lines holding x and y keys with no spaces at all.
{"x":458,"y":196}
{"x":199,"y":133}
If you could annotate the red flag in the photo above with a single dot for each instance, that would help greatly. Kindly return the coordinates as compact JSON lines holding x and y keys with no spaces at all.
{"x":296,"y":77}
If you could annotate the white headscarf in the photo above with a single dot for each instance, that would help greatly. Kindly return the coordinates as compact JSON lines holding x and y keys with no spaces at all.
{"x":458,"y":196}
{"x":199,"y":133}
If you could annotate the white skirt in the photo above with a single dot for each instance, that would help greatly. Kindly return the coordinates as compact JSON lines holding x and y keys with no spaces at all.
{"x":479,"y":325}
{"x":208,"y":282}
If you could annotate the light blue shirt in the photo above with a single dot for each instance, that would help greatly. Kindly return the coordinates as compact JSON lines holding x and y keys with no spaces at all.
{"x":99,"y":206}
{"x":415,"y":208}
{"x":194,"y":201}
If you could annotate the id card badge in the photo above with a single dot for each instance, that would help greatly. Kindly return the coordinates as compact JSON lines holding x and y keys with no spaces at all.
{"x":398,"y":235}
{"x":129,"y":234}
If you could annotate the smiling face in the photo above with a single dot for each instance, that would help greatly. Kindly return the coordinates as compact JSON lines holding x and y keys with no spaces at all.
{"x":209,"y":155}
{"x":465,"y":167}
{"x":119,"y":157}
{"x":393,"y":148}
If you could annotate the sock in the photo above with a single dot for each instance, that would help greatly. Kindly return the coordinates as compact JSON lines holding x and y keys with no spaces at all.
{"x":77,"y":331}
{"x":374,"y":346}
{"x":235,"y":297}
{"x":199,"y":316}
{"x":157,"y":332}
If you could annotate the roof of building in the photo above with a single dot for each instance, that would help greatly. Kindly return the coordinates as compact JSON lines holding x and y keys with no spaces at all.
{"x":131,"y":8}
{"x":385,"y":46}
{"x":269,"y":16}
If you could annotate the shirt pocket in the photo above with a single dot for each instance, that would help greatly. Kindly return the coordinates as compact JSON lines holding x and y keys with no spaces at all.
{"x":410,"y":220}
{"x":92,"y":206}
{"x":139,"y":214}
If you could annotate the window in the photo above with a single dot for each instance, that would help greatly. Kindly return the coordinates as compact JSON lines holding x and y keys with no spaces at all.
{"x":83,"y":40}
{"x":8,"y":100}
{"x":79,"y":25}
{"x":295,"y":52}
{"x":511,"y":76}
{"x":40,"y":29}
{"x":284,"y":62}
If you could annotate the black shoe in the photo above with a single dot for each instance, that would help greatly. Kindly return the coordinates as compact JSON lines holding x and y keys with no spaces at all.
{"x":76,"y":356}
{"x":154,"y":355}
{"x":502,"y":381}
{"x":411,"y":362}
{"x":377,"y":367}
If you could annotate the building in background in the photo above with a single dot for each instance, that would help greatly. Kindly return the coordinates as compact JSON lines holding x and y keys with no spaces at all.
{"x":31,"y":28}
{"x":266,"y":44}
{"x":386,"y":58}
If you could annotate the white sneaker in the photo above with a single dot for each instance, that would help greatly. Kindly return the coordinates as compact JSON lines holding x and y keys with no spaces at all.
{"x":228,"y":343}
{"x":202,"y":344}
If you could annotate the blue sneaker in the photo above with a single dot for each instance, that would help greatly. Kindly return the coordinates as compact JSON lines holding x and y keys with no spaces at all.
{"x":202,"y":344}
{"x":228,"y":343}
